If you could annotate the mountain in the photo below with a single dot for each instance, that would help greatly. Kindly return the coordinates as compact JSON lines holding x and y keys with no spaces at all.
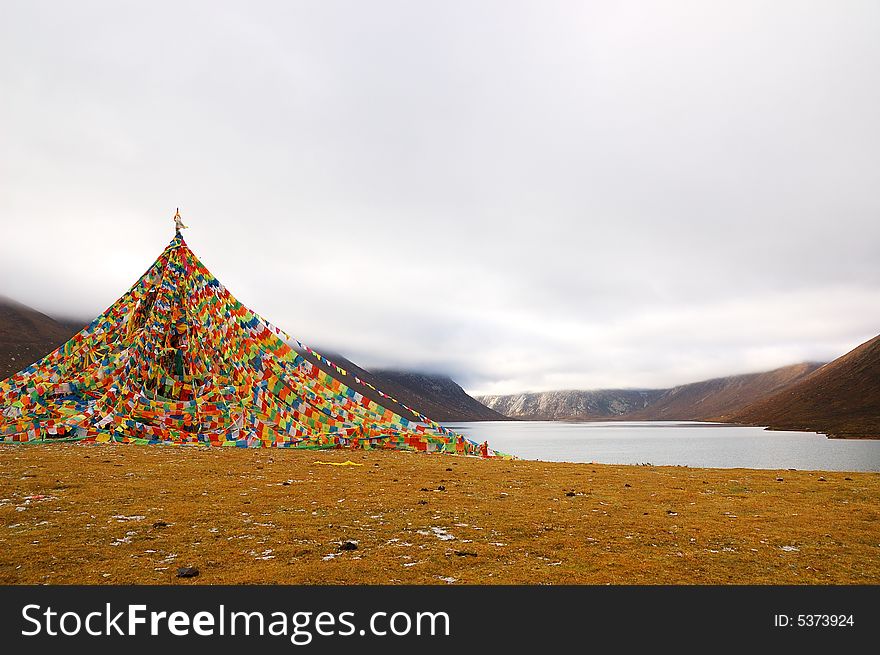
{"x":688,"y":402}
{"x":711,"y":398}
{"x":437,"y":396}
{"x":570,"y":405}
{"x":451,"y":402}
{"x":841,"y":399}
{"x":26,"y":335}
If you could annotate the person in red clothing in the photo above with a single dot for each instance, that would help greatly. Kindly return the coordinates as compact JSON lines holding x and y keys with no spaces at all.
{"x":484,"y":449}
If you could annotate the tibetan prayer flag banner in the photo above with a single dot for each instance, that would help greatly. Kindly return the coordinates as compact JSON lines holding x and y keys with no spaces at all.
{"x":178,"y":360}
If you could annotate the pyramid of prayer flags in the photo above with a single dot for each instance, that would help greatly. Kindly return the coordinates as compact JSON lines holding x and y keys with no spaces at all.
{"x":178,"y":360}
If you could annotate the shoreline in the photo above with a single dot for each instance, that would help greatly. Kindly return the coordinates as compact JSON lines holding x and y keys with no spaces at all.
{"x":625,"y":419}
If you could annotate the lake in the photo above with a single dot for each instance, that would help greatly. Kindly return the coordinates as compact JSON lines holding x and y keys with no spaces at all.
{"x":713,"y":445}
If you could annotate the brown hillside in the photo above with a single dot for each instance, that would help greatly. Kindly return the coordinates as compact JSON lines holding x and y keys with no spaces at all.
{"x":841,"y":399}
{"x":711,"y":398}
{"x":689,"y":402}
{"x":26,"y":336}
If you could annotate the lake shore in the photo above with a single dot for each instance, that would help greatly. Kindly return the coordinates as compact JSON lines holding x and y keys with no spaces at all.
{"x":857,"y":436}
{"x":868,"y":435}
{"x":675,"y":443}
{"x":122,"y":514}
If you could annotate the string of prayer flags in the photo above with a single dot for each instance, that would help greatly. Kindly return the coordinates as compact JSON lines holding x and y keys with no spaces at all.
{"x":178,"y":360}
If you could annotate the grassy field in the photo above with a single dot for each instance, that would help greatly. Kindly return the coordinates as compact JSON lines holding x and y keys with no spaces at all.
{"x":99,"y":514}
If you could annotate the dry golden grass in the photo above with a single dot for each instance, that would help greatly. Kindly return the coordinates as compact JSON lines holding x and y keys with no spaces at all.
{"x":229,"y":513}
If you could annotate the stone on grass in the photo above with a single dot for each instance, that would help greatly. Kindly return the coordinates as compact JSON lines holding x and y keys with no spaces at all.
{"x":187,"y":572}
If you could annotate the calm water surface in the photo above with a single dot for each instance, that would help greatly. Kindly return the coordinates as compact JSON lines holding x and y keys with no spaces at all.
{"x":674,"y":443}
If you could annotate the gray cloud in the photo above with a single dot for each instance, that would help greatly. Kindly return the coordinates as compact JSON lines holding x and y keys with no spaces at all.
{"x":526,"y":195}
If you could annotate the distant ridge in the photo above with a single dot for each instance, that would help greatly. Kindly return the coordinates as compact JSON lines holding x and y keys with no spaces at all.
{"x":711,"y":398}
{"x":604,"y":404}
{"x":841,"y":399}
{"x":689,"y":402}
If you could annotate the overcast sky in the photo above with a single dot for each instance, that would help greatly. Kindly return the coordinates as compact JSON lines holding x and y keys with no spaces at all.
{"x":525,"y":195}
